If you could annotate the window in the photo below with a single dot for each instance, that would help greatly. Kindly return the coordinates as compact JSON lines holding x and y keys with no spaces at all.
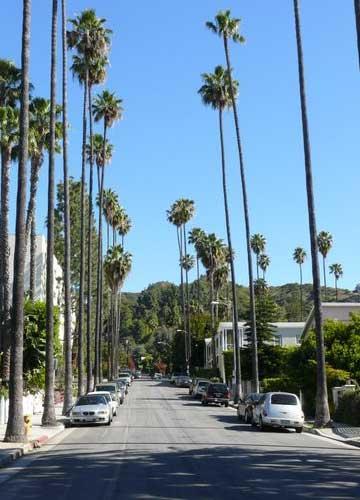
{"x":284,"y":399}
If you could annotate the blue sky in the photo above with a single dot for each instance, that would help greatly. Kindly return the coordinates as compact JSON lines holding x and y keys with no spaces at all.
{"x":167,"y":145}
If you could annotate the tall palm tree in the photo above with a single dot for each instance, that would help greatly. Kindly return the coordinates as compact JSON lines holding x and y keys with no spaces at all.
{"x":15,"y":425}
{"x":299,"y":257}
{"x":264,"y":263}
{"x":324,"y":241}
{"x":9,"y":137}
{"x":195,"y":238}
{"x":91,"y":41}
{"x":337,"y":271}
{"x":49,"y":417}
{"x":110,"y":202}
{"x":117,"y":265}
{"x":124,"y":226}
{"x":357,"y":21}
{"x":67,"y":243}
{"x":215,"y":92}
{"x":227,"y":28}
{"x":39,"y":133}
{"x":322,"y":415}
{"x":258,"y":244}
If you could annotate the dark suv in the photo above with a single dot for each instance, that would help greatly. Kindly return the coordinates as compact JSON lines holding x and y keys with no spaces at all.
{"x":216,"y":393}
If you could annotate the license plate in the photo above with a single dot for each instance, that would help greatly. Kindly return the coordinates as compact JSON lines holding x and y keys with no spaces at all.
{"x":285,"y":422}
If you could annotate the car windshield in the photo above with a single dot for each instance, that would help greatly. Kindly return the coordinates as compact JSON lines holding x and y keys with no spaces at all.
{"x":203,"y":384}
{"x":218,"y":387}
{"x":122,"y":375}
{"x":108,"y":388}
{"x":284,"y":399}
{"x":256,"y":396}
{"x":91,"y":400}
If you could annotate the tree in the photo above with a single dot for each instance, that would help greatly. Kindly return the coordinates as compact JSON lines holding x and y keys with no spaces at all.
{"x":196,"y":235}
{"x":110,"y":204}
{"x":299,"y":257}
{"x":49,"y":417}
{"x":324,"y":241}
{"x":10,"y":83}
{"x":258,"y":244}
{"x":337,"y":271}
{"x":264,"y":263}
{"x":15,"y":425}
{"x":357,"y":22}
{"x":322,"y":415}
{"x":9,"y":137}
{"x":227,"y":28}
{"x":67,"y":241}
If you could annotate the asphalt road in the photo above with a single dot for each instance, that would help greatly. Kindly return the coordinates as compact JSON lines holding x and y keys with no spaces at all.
{"x":164,"y":445}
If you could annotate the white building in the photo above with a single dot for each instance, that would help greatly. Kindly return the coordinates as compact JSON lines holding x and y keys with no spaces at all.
{"x":338,"y":311}
{"x":40,"y":275}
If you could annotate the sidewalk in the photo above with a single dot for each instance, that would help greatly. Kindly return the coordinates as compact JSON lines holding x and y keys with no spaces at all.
{"x":39,"y":435}
{"x":338,"y":432}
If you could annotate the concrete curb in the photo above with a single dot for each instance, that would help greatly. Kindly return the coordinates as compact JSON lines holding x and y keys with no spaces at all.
{"x":25,"y":448}
{"x":318,"y":432}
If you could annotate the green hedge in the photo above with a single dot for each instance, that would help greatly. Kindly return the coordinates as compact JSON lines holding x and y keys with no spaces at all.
{"x":348,"y":411}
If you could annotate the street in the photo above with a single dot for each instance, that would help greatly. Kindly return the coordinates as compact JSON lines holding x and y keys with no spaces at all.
{"x":164,"y":445}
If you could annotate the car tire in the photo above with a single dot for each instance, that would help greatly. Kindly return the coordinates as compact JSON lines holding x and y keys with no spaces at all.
{"x":246,"y":418}
{"x":115,"y":413}
{"x":226,"y":404}
{"x":109,"y":421}
{"x":262,"y":426}
{"x":239,"y":416}
{"x":121,"y":401}
{"x":299,"y":430}
{"x":202,"y":402}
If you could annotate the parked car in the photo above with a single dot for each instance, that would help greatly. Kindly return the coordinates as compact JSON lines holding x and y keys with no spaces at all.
{"x":183,"y":381}
{"x":157,"y":376}
{"x":110,"y":398}
{"x":138,"y":374}
{"x":123,"y":387}
{"x":91,"y":409}
{"x":108,"y":387}
{"x":246,"y":407}
{"x":216,"y":393}
{"x":279,"y":409}
{"x":174,"y":376}
{"x":125,"y":376}
{"x":193,"y":383}
{"x":200,"y":388}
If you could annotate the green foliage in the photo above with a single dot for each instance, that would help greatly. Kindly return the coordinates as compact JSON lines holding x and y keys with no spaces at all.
{"x":348,"y":411}
{"x":228,"y":364}
{"x":281,"y":384}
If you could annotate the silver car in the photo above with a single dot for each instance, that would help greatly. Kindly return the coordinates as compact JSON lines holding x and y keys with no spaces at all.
{"x":110,"y":398}
{"x":91,"y":409}
{"x":279,"y":409}
{"x":200,"y":388}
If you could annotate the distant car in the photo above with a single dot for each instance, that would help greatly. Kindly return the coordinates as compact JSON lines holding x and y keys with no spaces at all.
{"x":193,"y":383}
{"x":216,"y":393}
{"x":110,"y":398}
{"x":138,"y":374}
{"x":200,"y":388}
{"x":174,"y":377}
{"x":123,"y":387}
{"x":279,"y":409}
{"x":91,"y":409}
{"x":108,"y":387}
{"x":246,"y":407}
{"x":157,"y":376}
{"x":125,"y":376}
{"x":183,"y":381}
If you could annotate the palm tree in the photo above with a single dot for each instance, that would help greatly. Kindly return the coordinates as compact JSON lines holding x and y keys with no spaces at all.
{"x":324,"y":241}
{"x":9,"y":137}
{"x":322,"y":415}
{"x":67,"y":243}
{"x":228,"y":28}
{"x":258,"y":244}
{"x":221,"y":276}
{"x":337,"y":271}
{"x":117,"y":265}
{"x":188,"y":262}
{"x":110,"y":203}
{"x":10,"y":83}
{"x":195,"y":238}
{"x":124,"y":226}
{"x":48,"y":417}
{"x":39,"y":133}
{"x":357,"y":21}
{"x":264,"y":263}
{"x":215,"y":92}
{"x":299,"y":257}
{"x":15,"y":425}
{"x":91,"y":41}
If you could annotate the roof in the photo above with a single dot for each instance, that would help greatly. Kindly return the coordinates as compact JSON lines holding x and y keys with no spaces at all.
{"x":328,"y":306}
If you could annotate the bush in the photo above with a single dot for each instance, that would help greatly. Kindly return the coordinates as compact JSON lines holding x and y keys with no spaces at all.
{"x":280,"y":384}
{"x":348,"y":411}
{"x":207,"y":373}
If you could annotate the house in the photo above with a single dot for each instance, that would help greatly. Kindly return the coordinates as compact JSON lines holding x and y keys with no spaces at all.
{"x":338,"y":311}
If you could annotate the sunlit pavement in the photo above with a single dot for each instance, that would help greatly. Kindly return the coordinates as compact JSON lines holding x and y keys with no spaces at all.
{"x":165,"y":445}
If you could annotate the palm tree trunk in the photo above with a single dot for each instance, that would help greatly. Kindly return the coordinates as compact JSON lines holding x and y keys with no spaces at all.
{"x":322,"y":415}
{"x":357,"y":20}
{"x":67,"y":247}
{"x":89,"y":254}
{"x":15,"y":425}
{"x":325,"y":287}
{"x":49,"y":417}
{"x":336,"y":290}
{"x":232,"y":268}
{"x":5,"y":256}
{"x":32,"y":285}
{"x":255,"y":362}
{"x":301,"y":295}
{"x":182,"y":290}
{"x":98,"y":329}
{"x":187,"y":309}
{"x":198,"y":282}
{"x":108,"y":236}
{"x":82,"y":252}
{"x":213,"y":332}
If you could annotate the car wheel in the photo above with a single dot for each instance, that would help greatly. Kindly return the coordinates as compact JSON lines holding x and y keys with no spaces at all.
{"x":299,"y":430}
{"x":121,"y":401}
{"x":226,"y":404}
{"x":115,"y":413}
{"x":262,"y":426}
{"x":109,"y":421}
{"x":246,"y":418}
{"x":239,"y":416}
{"x":202,"y":402}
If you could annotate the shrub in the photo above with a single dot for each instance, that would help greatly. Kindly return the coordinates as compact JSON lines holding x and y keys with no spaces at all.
{"x":281,"y":384}
{"x":348,"y":411}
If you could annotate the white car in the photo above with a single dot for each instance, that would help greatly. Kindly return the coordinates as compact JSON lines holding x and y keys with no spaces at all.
{"x":110,"y":398}
{"x":200,"y":388}
{"x":91,"y":409}
{"x":125,"y":376}
{"x":279,"y":409}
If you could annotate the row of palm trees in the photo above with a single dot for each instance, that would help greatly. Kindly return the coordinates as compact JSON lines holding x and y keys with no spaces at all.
{"x":28,"y":130}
